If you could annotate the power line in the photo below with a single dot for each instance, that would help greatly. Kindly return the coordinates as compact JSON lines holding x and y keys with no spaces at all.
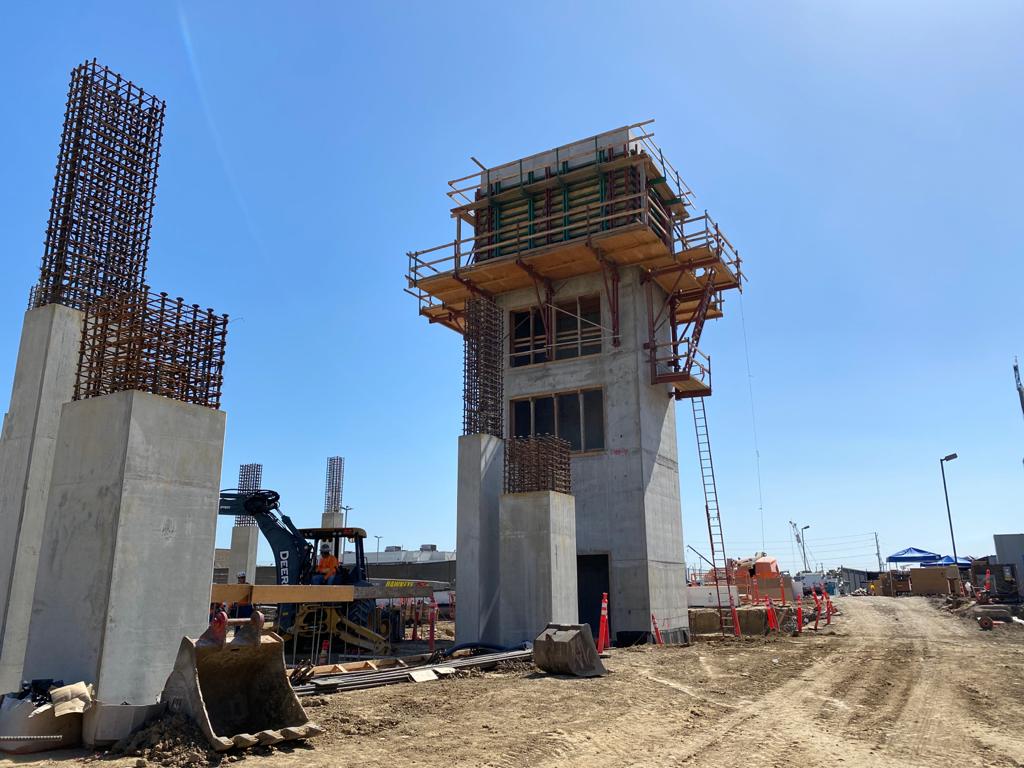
{"x":753,"y":419}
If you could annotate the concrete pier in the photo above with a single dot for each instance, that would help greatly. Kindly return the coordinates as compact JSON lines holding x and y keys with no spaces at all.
{"x":128,"y":544}
{"x":538,"y":564}
{"x":43,"y":381}
{"x":245,"y":540}
{"x":481,"y":476}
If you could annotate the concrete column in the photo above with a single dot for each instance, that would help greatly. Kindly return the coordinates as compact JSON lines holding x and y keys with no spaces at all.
{"x":44,"y":380}
{"x":245,"y":540}
{"x":128,"y":544}
{"x":481,"y":477}
{"x":538,"y":564}
{"x":332,"y":520}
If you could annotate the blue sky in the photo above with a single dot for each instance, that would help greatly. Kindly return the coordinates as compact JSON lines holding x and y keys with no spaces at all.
{"x":865,"y":158}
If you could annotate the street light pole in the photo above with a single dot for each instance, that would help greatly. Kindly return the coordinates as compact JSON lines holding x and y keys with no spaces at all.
{"x":378,"y":538}
{"x":942,"y":466}
{"x":803,"y":546}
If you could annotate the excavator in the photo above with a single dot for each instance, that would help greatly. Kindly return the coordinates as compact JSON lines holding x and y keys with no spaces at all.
{"x":359,"y":623}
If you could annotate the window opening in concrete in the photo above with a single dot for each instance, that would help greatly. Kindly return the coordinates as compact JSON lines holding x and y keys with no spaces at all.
{"x":522,"y":425}
{"x":570,"y":426}
{"x":544,"y":416}
{"x":593,"y":418}
{"x":527,"y":338}
{"x":577,"y":331}
{"x":576,"y":417}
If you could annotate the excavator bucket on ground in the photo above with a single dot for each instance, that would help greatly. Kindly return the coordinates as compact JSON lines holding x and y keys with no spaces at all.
{"x":567,"y":649}
{"x":237,"y":692}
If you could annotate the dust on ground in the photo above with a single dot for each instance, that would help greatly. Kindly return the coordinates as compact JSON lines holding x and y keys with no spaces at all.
{"x":893,"y":682}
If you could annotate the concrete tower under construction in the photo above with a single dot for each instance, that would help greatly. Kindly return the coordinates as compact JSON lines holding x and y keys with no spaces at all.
{"x":603,"y":275}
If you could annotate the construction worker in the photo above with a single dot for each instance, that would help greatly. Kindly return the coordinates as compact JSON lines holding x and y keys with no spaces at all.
{"x":328,"y":564}
{"x":243,"y":608}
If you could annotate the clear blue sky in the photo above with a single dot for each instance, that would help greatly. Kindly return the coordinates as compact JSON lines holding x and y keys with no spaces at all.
{"x":864,"y":156}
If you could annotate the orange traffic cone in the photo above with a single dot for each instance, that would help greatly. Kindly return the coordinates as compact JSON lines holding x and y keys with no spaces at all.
{"x":602,"y":634}
{"x":657,"y":632}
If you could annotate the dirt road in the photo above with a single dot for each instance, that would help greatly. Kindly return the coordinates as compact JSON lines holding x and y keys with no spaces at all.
{"x":893,"y":683}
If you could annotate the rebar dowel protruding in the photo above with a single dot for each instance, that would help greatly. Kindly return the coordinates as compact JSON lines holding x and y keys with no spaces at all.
{"x":538,"y":463}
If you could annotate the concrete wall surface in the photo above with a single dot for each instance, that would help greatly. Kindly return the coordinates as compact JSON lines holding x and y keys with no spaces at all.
{"x":481,"y":477}
{"x":627,"y":496}
{"x":128,"y":545}
{"x":44,"y":380}
{"x":244,"y":541}
{"x":538,"y":564}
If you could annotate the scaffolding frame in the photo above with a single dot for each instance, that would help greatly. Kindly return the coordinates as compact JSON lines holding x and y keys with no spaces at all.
{"x":607,"y":227}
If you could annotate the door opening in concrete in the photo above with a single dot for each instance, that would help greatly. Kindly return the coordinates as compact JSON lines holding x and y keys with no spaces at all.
{"x":592,"y":580}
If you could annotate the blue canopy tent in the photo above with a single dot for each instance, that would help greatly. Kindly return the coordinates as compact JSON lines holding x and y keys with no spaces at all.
{"x":913,"y":555}
{"x":963,"y":562}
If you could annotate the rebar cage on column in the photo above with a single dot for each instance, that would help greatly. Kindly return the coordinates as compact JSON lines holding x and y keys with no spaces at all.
{"x":539,"y":463}
{"x":334,"y":484}
{"x":250,"y":478}
{"x":97,"y":238}
{"x":483,"y":405}
{"x":152,"y":343}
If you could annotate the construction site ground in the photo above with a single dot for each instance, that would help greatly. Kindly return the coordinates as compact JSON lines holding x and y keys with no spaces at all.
{"x":893,"y":682}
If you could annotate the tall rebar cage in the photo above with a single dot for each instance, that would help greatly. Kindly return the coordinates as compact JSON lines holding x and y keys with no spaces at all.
{"x":538,"y":463}
{"x":152,"y":343}
{"x":101,"y":214}
{"x":334,"y":484}
{"x":250,"y":478}
{"x":483,"y":386}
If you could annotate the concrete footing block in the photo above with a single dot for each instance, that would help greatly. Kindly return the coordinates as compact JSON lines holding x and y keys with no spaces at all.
{"x":44,"y":380}
{"x":537,"y":564}
{"x":127,"y":549}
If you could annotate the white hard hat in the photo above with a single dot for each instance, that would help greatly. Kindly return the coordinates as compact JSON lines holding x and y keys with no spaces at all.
{"x":240,"y":575}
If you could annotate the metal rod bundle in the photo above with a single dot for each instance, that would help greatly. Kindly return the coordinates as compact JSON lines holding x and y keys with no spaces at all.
{"x":152,"y":343}
{"x":538,"y":463}
{"x":351,"y":681}
{"x":334,"y":484}
{"x":250,"y":478}
{"x":97,"y":238}
{"x":483,"y":405}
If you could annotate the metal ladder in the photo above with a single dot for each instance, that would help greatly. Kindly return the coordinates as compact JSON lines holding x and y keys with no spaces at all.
{"x":726,"y":606}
